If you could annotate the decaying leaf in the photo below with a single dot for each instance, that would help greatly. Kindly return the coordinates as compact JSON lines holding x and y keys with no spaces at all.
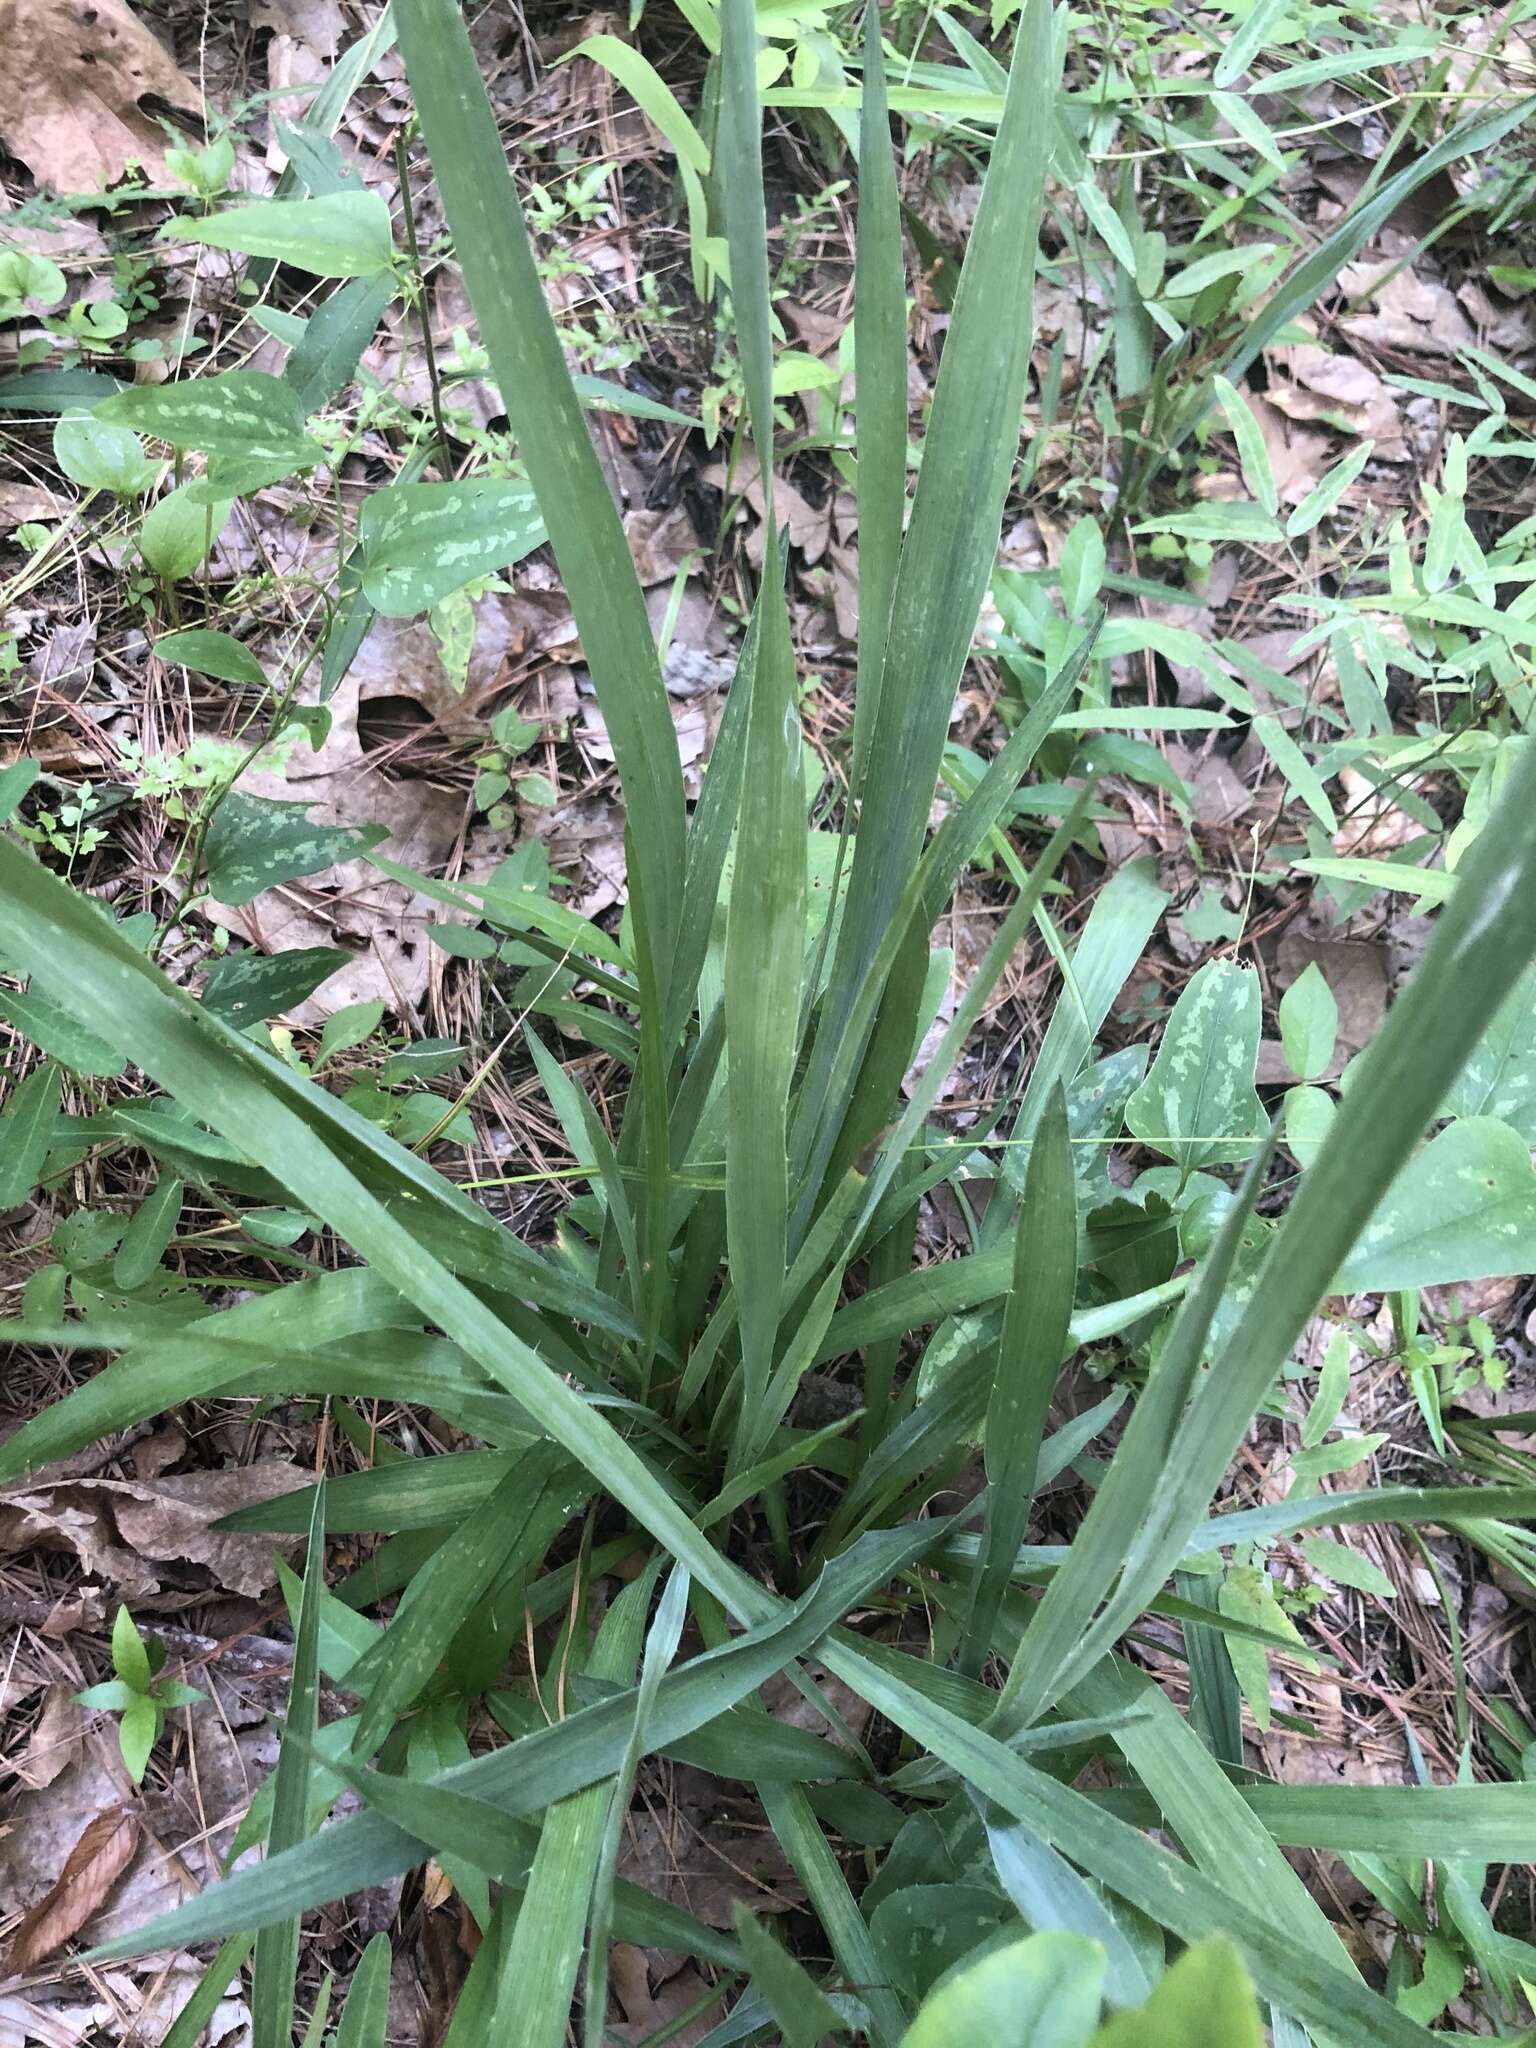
{"x":124,"y":1528}
{"x":94,"y":1865}
{"x":55,"y":1741}
{"x":77,"y":79}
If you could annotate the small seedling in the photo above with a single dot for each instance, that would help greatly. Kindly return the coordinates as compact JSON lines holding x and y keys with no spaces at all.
{"x":138,"y":1693}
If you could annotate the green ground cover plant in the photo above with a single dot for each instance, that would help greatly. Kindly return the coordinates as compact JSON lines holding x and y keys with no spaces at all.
{"x":1020,"y":1835}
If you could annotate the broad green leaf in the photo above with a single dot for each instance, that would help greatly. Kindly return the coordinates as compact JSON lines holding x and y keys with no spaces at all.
{"x":16,"y":778}
{"x":54,"y":1031}
{"x":1309,"y":1023}
{"x":1462,"y":1209}
{"x":1302,"y":779}
{"x":1347,"y":1566}
{"x":254,"y":844}
{"x":1499,"y":1080}
{"x":1326,"y":493}
{"x":99,"y":456}
{"x":1082,"y":567}
{"x":421,"y":542}
{"x":177,"y":534}
{"x":26,"y":1132}
{"x":130,"y":1659}
{"x":347,"y":1028}
{"x":1308,"y":1115}
{"x":1198,"y":1106}
{"x":212,"y":653}
{"x":1251,"y":450}
{"x":151,"y":1229}
{"x":1042,"y":1992}
{"x":1247,"y":1595}
{"x":344,"y":234}
{"x":1249,"y":125}
{"x":324,"y":360}
{"x":1205,"y":2001}
{"x":1253,"y":35}
{"x":249,"y":424}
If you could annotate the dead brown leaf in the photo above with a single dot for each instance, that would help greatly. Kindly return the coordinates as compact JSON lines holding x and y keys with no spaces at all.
{"x":55,"y":1741}
{"x":73,"y":80}
{"x":94,"y":1865}
{"x":123,"y":1529}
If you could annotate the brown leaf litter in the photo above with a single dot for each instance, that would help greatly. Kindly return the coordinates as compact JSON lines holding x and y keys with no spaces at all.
{"x":98,"y":1859}
{"x":77,"y":81}
{"x":125,"y":1530}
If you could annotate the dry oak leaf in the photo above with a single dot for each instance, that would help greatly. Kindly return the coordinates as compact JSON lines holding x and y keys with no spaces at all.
{"x":103,"y":1852}
{"x":74,"y":79}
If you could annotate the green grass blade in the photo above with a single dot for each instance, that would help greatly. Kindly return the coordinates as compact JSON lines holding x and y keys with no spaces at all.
{"x":843,"y":1074}
{"x":1480,"y":945}
{"x":1122,"y":920}
{"x":764,"y":963}
{"x":662,"y":1639}
{"x":365,"y":2016}
{"x":709,"y":839}
{"x":880,"y":387}
{"x":1076,"y":1622}
{"x":517,"y":1524}
{"x":538,"y":1976}
{"x":1036,"y":1321}
{"x":496,"y":256}
{"x":189,"y":2025}
{"x":277,"y":1944}
{"x":219,"y":1077}
{"x":765,"y":931}
{"x":1172,"y":1893}
{"x":588,"y":1140}
{"x":802,"y":2009}
{"x":26,"y":1131}
{"x":524,"y":1777}
{"x":969,"y":457}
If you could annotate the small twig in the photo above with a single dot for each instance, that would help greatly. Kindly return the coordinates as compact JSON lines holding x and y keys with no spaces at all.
{"x":408,"y":214}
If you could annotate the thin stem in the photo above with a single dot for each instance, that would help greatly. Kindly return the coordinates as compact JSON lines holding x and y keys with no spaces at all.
{"x":434,"y":378}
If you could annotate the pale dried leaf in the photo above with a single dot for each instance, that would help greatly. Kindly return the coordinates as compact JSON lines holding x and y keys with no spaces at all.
{"x":56,"y":1740}
{"x":72,"y":82}
{"x":94,"y":1865}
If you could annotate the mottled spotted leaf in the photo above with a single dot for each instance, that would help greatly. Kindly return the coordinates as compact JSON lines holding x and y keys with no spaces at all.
{"x":249,"y":425}
{"x":1198,"y":1105}
{"x":1462,"y":1209}
{"x":253,"y":844}
{"x":421,"y":542}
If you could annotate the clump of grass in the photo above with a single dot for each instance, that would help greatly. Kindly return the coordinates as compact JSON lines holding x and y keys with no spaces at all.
{"x":646,"y":1386}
